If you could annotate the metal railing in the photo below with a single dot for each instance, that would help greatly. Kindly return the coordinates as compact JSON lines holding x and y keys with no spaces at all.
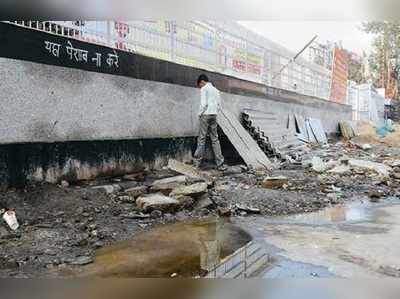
{"x":243,"y":263}
{"x":214,"y":46}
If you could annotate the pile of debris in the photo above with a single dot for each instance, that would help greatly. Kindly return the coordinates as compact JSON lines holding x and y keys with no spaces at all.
{"x":69,"y":222}
{"x":187,"y":189}
{"x":327,"y":176}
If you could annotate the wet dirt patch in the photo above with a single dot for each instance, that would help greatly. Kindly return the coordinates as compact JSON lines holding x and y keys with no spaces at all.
{"x":181,"y":249}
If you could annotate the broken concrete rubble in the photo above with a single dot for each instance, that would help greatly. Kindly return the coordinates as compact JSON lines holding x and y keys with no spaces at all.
{"x":249,"y":210}
{"x":260,"y":173}
{"x":3,"y":233}
{"x":127,"y":185}
{"x":221,"y":187}
{"x":138,"y":177}
{"x":134,"y":215}
{"x":64,"y":184}
{"x":332,"y":198}
{"x":157,"y":201}
{"x":318,"y":165}
{"x":166,"y":185}
{"x":340,"y":169}
{"x":275,"y":182}
{"x":156,"y":214}
{"x":375,"y":195}
{"x":108,"y":188}
{"x":136,"y":191}
{"x":366,"y":146}
{"x":395,"y":163}
{"x":185,"y":169}
{"x":203,"y":202}
{"x":191,"y":190}
{"x":186,"y":202}
{"x":379,"y":168}
{"x":126,"y":199}
{"x":331,"y":164}
{"x":224,"y":212}
{"x":232,"y":170}
{"x":333,"y":189}
{"x":81,"y":261}
{"x":396,"y":175}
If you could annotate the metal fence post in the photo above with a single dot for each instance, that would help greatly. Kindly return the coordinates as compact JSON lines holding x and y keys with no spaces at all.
{"x":108,"y":37}
{"x":245,"y":261}
{"x":171,"y":27}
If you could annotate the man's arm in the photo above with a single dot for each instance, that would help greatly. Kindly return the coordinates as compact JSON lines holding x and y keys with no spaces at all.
{"x":203,"y":102}
{"x":219,"y":101}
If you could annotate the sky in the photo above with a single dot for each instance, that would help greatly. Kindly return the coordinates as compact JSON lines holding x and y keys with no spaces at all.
{"x":294,"y":35}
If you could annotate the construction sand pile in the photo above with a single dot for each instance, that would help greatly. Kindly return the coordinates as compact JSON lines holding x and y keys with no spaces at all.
{"x":367,"y":133}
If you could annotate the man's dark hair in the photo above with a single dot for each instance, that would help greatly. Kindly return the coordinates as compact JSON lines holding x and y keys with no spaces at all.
{"x":202,"y":77}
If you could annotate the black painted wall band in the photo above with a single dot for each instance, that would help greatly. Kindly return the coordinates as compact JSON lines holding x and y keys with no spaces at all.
{"x":19,"y":161}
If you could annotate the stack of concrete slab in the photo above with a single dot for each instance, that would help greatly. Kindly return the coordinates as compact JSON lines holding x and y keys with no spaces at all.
{"x":241,"y":140}
{"x":275,"y":136}
{"x":310,"y":130}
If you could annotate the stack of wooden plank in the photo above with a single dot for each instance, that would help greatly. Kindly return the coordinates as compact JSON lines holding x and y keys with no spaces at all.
{"x":347,"y":129}
{"x":274,"y":135}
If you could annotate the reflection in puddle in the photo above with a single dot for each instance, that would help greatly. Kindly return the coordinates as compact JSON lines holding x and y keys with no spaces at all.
{"x":351,"y":213}
{"x":335,"y":214}
{"x":184,"y":248}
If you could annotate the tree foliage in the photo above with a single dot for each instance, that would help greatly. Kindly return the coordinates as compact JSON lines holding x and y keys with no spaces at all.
{"x":356,"y":71}
{"x":385,"y":58}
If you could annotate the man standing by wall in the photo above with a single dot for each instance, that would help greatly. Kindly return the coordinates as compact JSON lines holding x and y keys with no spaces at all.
{"x":210,"y":105}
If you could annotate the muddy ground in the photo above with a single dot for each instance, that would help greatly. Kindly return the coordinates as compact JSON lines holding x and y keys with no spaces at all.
{"x":62,"y":227}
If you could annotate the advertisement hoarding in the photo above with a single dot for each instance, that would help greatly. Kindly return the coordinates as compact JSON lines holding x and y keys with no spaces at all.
{"x":340,"y":74}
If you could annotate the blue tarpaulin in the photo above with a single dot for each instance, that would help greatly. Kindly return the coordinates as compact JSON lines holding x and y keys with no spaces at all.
{"x":386,"y":129}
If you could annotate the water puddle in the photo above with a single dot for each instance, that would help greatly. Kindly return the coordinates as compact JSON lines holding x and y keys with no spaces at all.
{"x":346,"y":213}
{"x":183,"y":249}
{"x":305,"y":245}
{"x":354,"y":212}
{"x":290,"y":269}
